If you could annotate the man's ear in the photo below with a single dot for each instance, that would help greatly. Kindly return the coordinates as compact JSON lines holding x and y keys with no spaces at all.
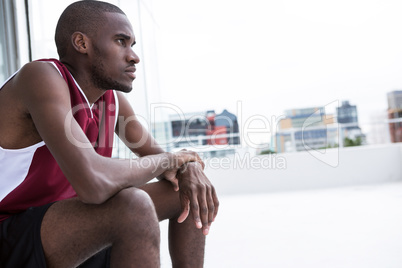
{"x":80,"y":42}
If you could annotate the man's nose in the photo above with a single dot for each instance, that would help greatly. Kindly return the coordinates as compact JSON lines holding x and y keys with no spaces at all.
{"x":133,"y":57}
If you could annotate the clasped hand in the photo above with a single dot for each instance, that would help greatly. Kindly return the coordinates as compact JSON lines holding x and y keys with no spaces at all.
{"x":197,"y":194}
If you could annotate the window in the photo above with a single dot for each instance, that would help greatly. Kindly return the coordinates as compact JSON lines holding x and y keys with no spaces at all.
{"x":3,"y":59}
{"x":6,"y":64}
{"x":14,"y":48}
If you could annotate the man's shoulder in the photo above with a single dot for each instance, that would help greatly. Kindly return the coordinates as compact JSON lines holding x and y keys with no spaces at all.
{"x":37,"y":74}
{"x":38,"y":70}
{"x":39,"y":80}
{"x":35,"y":88}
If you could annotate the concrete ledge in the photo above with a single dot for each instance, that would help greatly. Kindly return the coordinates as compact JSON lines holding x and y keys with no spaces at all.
{"x":243,"y":174}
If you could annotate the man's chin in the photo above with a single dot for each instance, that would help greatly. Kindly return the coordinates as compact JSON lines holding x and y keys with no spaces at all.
{"x":128,"y":90}
{"x":124,"y":89}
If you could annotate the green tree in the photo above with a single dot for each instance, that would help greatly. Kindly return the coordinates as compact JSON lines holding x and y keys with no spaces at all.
{"x":352,"y":142}
{"x":269,"y":151}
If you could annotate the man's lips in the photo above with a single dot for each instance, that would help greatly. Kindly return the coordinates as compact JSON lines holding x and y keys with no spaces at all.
{"x":131,"y":72}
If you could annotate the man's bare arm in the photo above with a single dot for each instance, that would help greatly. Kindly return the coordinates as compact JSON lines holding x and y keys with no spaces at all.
{"x":133,"y":134}
{"x":137,"y":138}
{"x":197,"y":194}
{"x":95,"y":178}
{"x":130,"y":130}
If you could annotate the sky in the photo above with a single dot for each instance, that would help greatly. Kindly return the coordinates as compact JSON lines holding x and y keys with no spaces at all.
{"x":273,"y":55}
{"x":258,"y":58}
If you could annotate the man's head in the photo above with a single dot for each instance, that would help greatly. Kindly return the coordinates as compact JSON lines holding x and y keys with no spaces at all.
{"x":96,"y":38}
{"x":83,"y":16}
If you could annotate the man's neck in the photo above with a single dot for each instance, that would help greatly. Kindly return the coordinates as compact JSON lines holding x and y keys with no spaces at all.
{"x":91,"y":92}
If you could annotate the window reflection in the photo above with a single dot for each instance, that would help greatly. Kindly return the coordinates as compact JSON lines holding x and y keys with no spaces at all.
{"x":3,"y":38}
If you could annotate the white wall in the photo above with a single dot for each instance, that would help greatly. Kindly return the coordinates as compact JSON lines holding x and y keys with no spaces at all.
{"x":302,"y":170}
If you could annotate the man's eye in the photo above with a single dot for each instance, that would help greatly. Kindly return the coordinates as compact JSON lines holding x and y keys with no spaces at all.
{"x":121,"y":41}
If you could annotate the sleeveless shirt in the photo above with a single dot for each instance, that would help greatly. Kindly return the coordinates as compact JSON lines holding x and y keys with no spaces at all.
{"x":30,"y":176}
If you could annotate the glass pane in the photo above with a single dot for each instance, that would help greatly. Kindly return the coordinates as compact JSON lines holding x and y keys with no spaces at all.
{"x":3,"y":58}
{"x":43,"y":15}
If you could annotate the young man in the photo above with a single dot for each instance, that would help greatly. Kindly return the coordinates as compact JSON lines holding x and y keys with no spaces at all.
{"x":64,"y":201}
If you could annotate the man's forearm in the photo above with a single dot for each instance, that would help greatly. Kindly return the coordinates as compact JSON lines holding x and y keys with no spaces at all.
{"x":105,"y":177}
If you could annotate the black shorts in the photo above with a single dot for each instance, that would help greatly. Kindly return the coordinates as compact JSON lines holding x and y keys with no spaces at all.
{"x":21,"y":245}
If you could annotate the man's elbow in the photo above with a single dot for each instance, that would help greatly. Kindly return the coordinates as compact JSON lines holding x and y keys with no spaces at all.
{"x":93,"y":190}
{"x":91,"y":199}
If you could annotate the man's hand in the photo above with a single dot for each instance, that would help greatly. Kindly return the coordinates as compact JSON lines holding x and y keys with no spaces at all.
{"x":177,"y":161}
{"x":171,"y":175}
{"x":197,"y":195}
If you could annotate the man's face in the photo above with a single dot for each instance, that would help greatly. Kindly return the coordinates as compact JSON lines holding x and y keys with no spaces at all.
{"x":113,"y":59}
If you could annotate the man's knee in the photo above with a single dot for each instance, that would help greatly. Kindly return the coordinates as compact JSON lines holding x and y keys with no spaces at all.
{"x":135,"y":208}
{"x":134,"y":202}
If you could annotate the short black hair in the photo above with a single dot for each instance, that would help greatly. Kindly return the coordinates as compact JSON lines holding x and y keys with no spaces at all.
{"x":82,"y":16}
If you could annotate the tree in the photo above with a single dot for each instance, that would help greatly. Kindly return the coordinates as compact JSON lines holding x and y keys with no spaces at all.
{"x":352,"y":142}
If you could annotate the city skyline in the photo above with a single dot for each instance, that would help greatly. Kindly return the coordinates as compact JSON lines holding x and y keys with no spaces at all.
{"x":275,"y":56}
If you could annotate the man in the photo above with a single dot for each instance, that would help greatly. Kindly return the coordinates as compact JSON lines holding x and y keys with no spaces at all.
{"x":64,"y":201}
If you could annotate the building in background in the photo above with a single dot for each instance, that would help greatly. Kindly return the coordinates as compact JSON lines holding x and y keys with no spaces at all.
{"x":306,"y":129}
{"x":226,"y":123}
{"x":205,"y":132}
{"x":395,"y":115}
{"x":313,"y":128}
{"x":348,"y":121}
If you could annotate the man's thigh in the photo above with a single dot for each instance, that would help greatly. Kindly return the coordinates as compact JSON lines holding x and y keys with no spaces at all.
{"x":70,"y":228}
{"x":72,"y":232}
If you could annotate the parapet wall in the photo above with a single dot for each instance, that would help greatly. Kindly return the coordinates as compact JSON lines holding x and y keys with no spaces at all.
{"x":349,"y":166}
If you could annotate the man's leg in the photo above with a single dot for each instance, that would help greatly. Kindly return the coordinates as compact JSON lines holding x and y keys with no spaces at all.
{"x":72,"y":231}
{"x":186,"y":242}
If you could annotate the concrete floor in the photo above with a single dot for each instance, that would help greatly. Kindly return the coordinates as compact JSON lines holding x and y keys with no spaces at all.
{"x":348,"y":227}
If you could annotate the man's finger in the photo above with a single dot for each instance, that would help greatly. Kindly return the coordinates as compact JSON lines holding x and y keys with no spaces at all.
{"x":216,"y":202}
{"x":170,"y":175}
{"x":195,"y":212}
{"x":175,"y":183}
{"x":203,"y":203}
{"x":211,"y":207}
{"x":204,"y":215}
{"x":185,"y":210}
